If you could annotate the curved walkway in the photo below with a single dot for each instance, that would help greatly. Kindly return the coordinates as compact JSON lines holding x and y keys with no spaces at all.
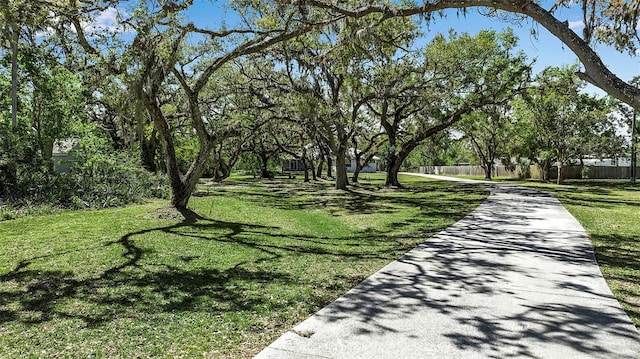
{"x":515,"y":278}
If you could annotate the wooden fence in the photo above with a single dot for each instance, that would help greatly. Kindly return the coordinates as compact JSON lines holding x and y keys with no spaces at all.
{"x":498,"y":171}
{"x":571,"y":172}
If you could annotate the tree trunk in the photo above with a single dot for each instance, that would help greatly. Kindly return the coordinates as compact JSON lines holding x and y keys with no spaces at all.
{"x":392,"y":170}
{"x":392,"y":174}
{"x":305,"y":164}
{"x":221,"y":170}
{"x":391,"y":177}
{"x":545,"y":167}
{"x":182,"y":187}
{"x":306,"y":172}
{"x":355,"y":177}
{"x":341,"y":169}
{"x":634,"y":156}
{"x":14,"y":78}
{"x":356,"y":172}
{"x":180,"y":196}
{"x":560,"y":178}
{"x":264,"y":167}
{"x":320,"y":167}
{"x":312,"y":169}
{"x":394,"y":162}
{"x":329,"y":166}
{"x":223,"y":174}
{"x":487,"y":171}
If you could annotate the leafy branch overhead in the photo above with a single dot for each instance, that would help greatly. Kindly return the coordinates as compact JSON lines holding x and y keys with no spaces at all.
{"x":603,"y":19}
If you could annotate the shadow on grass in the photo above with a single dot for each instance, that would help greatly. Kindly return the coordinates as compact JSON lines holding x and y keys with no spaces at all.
{"x":139,"y":285}
{"x":617,"y":251}
{"x":591,"y":193}
{"x":129,"y":284}
{"x":359,"y":198}
{"x":39,"y":293}
{"x":619,"y":256}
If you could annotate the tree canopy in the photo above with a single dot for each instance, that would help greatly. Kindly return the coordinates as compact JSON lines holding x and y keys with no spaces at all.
{"x":338,"y":74}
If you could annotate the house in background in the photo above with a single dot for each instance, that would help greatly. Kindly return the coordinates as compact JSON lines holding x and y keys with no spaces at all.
{"x":292,"y":165}
{"x":61,"y":155}
{"x":371,"y":167}
{"x":618,"y":161}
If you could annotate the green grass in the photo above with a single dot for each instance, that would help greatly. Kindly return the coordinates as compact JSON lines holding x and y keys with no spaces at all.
{"x":609,"y":211}
{"x":122,"y":283}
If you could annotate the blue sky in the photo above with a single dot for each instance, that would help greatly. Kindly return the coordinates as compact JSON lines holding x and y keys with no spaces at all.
{"x":548,"y":50}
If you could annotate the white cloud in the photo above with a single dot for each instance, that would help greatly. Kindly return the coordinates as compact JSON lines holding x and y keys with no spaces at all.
{"x":576,"y":24}
{"x":106,"y":20}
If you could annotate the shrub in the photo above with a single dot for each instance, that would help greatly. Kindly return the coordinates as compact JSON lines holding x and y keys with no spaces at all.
{"x":115,"y":181}
{"x":99,"y":177}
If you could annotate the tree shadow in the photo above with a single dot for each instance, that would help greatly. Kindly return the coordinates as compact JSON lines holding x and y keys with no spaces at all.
{"x":595,"y":194}
{"x":132,"y":285}
{"x":550,"y":328}
{"x":494,"y":284}
{"x":360,"y":199}
{"x":38,"y":293}
{"x":613,"y":252}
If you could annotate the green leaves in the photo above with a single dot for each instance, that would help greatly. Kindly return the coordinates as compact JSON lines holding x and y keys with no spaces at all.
{"x":610,"y":22}
{"x":560,"y":123}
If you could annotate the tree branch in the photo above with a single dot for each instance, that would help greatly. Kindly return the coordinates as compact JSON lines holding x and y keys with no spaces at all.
{"x":596,"y":72}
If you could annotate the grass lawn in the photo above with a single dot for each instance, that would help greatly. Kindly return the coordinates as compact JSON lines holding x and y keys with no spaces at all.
{"x":610,"y":212}
{"x":123,"y":283}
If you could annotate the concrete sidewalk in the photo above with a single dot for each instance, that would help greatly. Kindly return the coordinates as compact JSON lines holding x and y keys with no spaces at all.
{"x":515,"y":278}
